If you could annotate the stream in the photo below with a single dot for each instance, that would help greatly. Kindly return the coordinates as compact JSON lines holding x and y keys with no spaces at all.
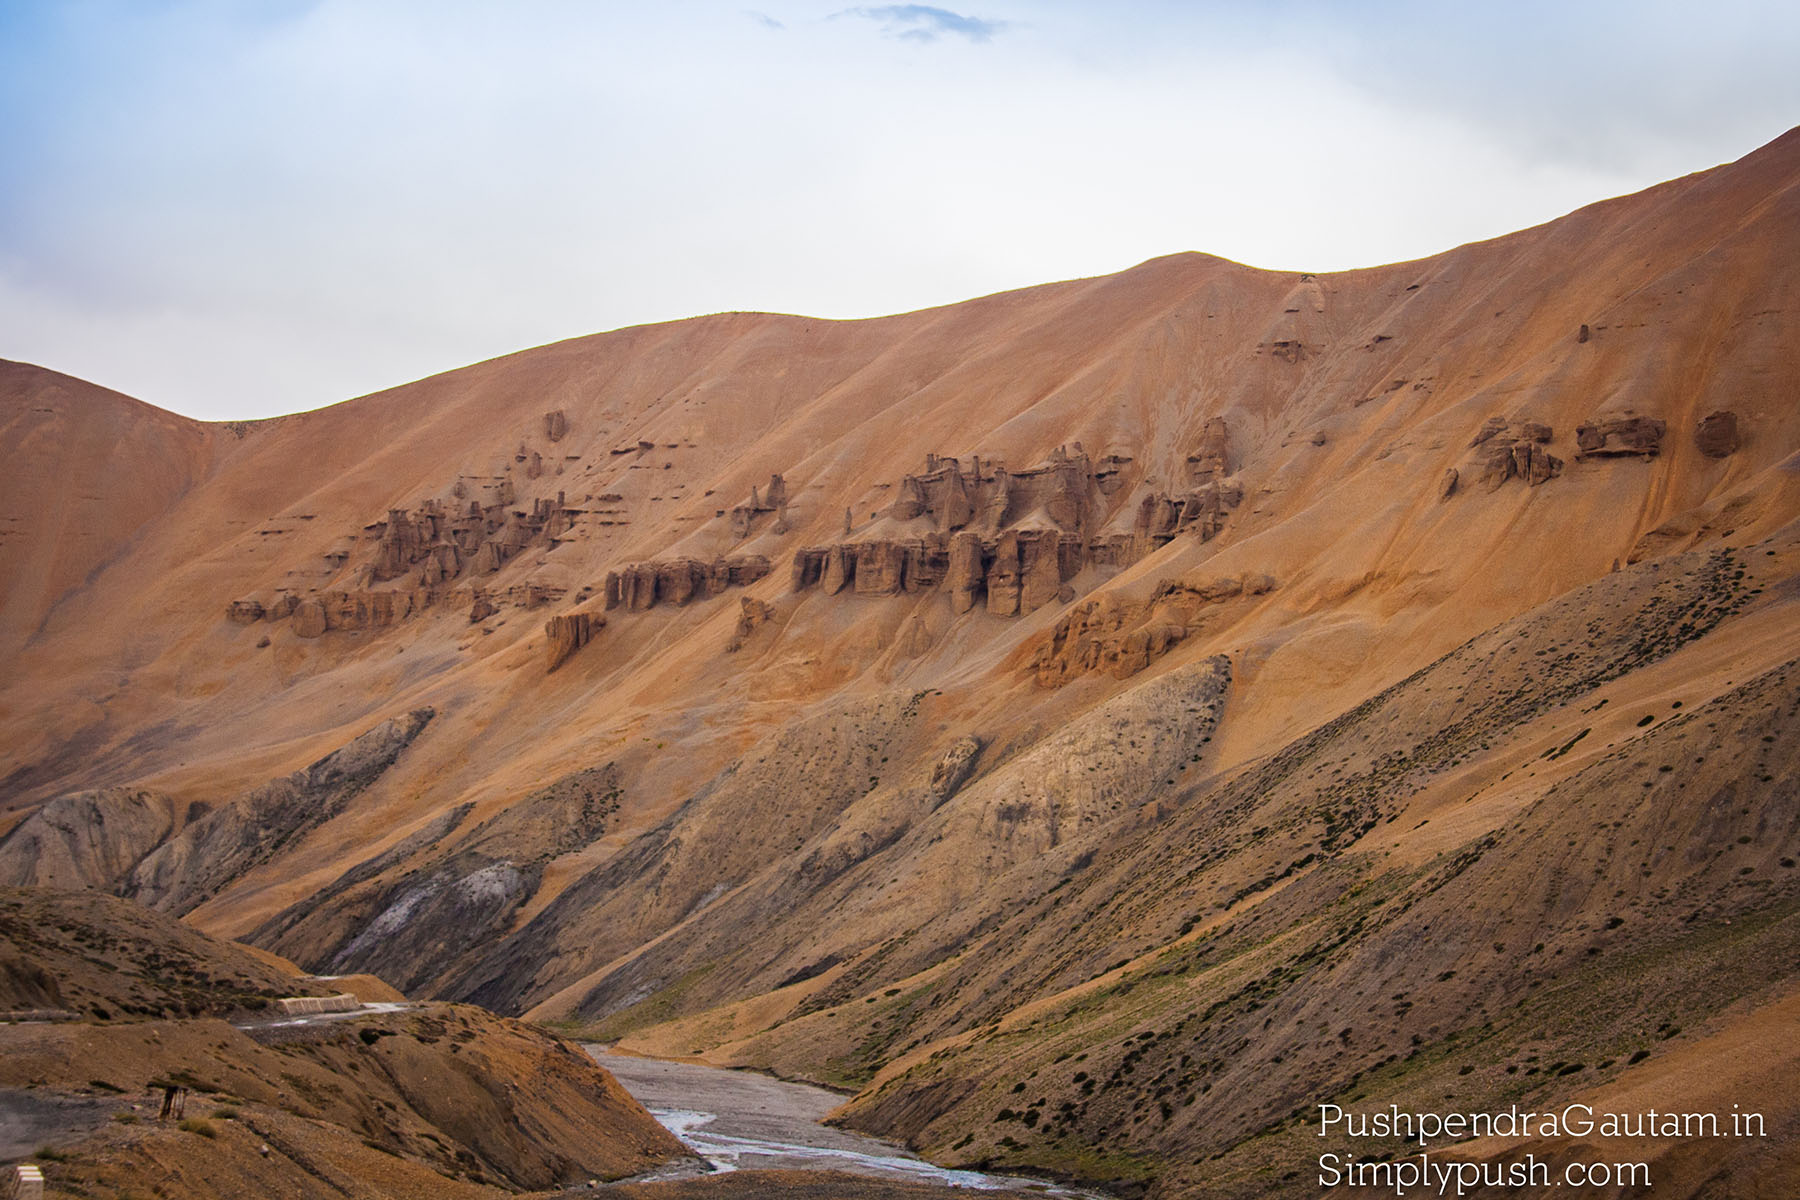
{"x":740,"y":1119}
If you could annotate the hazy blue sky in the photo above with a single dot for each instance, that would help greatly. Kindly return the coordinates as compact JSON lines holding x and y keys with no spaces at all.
{"x":234,"y":209}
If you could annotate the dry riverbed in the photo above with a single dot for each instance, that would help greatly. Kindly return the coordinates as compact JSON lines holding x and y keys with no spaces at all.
{"x":769,"y":1132}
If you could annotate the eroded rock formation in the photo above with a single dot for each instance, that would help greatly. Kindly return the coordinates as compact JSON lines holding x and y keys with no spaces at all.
{"x":1717,"y":435}
{"x":566,"y":634}
{"x":1012,"y":541}
{"x":773,"y":500}
{"x":1619,"y":437}
{"x":1122,"y":637}
{"x":954,"y":768}
{"x":1212,"y":459}
{"x":642,"y":586}
{"x":1506,"y":451}
{"x":753,"y":616}
{"x":244,"y":612}
{"x":423,"y":553}
{"x":1200,"y":511}
{"x":332,"y":611}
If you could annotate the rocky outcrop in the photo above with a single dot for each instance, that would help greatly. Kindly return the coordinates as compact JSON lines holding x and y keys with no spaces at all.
{"x":979,"y":555}
{"x":1717,"y":435}
{"x":436,"y":544}
{"x":218,"y":848}
{"x":954,"y":768}
{"x":1015,"y":571}
{"x":1212,"y":459}
{"x":244,"y":612}
{"x":1122,"y":637}
{"x":1620,"y":437}
{"x":1504,"y":450}
{"x":566,"y":634}
{"x":753,"y":615}
{"x":90,"y":839}
{"x":423,"y":553}
{"x":336,"y":611}
{"x":1201,"y":511}
{"x":1012,"y":541}
{"x":988,"y":495}
{"x":309,"y":619}
{"x":556,"y":425}
{"x":381,"y":608}
{"x":642,"y":586}
{"x":773,"y":500}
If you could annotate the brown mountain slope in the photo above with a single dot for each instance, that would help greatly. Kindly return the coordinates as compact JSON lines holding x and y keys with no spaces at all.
{"x":86,"y":469}
{"x":911,"y":675}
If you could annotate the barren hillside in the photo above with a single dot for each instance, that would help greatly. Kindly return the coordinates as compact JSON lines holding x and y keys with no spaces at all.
{"x":1254,"y":688}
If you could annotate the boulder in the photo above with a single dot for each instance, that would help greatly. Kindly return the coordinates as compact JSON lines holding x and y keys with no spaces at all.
{"x":1717,"y":434}
{"x":556,"y":425}
{"x":1619,"y":437}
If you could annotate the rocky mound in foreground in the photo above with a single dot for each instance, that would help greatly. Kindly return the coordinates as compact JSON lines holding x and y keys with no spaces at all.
{"x":402,"y":1101}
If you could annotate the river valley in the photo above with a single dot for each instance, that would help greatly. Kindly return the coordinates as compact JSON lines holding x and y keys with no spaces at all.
{"x":741,"y":1120}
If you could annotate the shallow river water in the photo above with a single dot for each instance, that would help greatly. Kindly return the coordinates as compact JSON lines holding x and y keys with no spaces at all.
{"x":739,"y":1119}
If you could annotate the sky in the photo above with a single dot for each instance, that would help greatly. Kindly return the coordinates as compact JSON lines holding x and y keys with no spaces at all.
{"x":234,"y":209}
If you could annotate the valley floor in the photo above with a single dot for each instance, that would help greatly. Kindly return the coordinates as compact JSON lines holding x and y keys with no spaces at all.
{"x":744,"y":1122}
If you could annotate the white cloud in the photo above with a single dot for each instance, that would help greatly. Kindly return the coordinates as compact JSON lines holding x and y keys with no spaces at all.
{"x":231,"y":218}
